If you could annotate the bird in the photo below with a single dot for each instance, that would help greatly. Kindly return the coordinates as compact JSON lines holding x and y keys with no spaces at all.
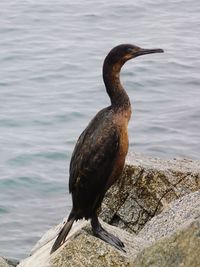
{"x":99,"y":155}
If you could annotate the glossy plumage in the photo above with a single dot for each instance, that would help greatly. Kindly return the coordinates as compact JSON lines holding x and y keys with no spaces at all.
{"x":99,"y":155}
{"x":92,"y":163}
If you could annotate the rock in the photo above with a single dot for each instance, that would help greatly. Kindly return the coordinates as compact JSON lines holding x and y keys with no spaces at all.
{"x":82,"y":249}
{"x":181,"y":249}
{"x":178,"y":222}
{"x":12,"y":262}
{"x":86,"y":250}
{"x":177,"y":215}
{"x":146,"y":187}
{"x":7,"y":263}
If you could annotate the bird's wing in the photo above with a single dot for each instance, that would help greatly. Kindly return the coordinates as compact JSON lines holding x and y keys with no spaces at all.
{"x":94,"y":155}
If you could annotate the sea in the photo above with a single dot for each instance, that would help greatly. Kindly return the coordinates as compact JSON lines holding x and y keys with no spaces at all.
{"x":51,"y":56}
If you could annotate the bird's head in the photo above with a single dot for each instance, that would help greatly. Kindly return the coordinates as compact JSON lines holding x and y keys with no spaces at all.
{"x":124,"y":52}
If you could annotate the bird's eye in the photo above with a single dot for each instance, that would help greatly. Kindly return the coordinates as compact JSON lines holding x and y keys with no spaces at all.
{"x":130,"y":50}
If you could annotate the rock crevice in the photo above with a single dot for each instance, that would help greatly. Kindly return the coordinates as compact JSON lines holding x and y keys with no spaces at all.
{"x":154,"y":209}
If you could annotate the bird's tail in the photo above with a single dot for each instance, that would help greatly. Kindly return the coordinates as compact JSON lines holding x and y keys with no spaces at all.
{"x":63,"y":234}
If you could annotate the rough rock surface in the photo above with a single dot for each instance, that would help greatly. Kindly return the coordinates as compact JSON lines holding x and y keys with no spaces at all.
{"x":146,"y":187}
{"x":4,"y":263}
{"x":177,"y":225}
{"x":181,"y":249}
{"x":86,"y":250}
{"x":82,"y":249}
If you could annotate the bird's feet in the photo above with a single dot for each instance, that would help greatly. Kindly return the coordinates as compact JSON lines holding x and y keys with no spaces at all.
{"x":101,"y":233}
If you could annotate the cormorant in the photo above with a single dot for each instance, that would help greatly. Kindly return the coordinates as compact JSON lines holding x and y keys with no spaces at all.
{"x":99,"y":155}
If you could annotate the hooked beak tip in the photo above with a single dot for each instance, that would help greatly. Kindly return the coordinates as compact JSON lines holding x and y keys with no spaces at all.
{"x":149,"y":51}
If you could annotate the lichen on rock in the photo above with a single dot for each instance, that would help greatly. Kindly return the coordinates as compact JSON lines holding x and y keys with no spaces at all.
{"x":156,"y":202}
{"x":181,"y":249}
{"x":6,"y":263}
{"x":146,"y":187}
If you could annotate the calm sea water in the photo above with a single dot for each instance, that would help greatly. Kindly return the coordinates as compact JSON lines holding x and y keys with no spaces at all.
{"x":51,"y":55}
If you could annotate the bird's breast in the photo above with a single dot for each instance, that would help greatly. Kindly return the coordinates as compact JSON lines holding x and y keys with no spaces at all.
{"x":121,"y":121}
{"x":123,"y":150}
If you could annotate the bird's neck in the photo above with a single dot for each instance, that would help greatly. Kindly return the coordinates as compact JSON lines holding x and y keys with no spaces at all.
{"x":118,"y":96}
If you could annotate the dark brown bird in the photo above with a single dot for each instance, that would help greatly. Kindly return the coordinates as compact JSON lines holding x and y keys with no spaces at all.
{"x":99,"y":155}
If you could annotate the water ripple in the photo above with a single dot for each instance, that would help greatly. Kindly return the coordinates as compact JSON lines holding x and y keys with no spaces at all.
{"x":51,"y":55}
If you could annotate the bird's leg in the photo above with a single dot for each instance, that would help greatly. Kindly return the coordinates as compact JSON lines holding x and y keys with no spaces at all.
{"x":100,"y":232}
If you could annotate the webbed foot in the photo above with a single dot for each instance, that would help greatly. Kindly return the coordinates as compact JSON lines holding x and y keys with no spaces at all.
{"x":101,"y":233}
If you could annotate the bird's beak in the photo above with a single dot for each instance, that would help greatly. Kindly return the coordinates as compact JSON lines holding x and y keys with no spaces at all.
{"x":142,"y":51}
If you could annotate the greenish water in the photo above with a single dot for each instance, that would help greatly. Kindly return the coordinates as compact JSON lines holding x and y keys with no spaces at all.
{"x":51,"y":55}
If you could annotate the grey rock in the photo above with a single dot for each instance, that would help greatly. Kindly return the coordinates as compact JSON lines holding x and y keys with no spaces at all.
{"x":182,"y":249}
{"x":83,"y":249}
{"x":146,"y":187}
{"x":175,"y":217}
{"x":156,"y":201}
{"x":6,"y":263}
{"x":86,"y":250}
